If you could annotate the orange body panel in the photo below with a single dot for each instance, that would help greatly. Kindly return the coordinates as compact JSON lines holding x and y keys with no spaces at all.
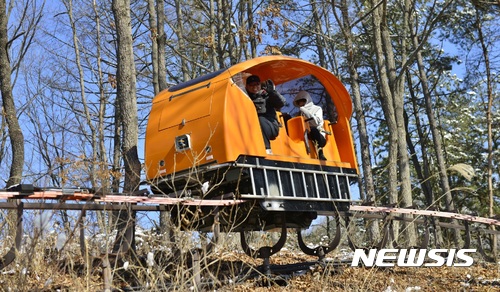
{"x":220,"y":122}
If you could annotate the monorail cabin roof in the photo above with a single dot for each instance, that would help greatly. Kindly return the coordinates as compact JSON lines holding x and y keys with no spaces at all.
{"x":211,"y":119}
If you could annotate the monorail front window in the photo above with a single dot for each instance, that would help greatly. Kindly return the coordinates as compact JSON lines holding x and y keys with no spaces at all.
{"x":290,"y":89}
{"x":318,"y":94}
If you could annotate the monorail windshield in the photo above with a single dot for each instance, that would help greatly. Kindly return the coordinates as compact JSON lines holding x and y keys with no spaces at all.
{"x":317,"y":91}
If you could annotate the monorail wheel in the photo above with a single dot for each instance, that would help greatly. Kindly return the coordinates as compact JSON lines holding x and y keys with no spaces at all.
{"x":320,"y":251}
{"x":265,"y":252}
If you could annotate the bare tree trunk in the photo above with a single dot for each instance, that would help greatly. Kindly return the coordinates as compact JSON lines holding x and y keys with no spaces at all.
{"x":243,"y":30}
{"x":153,"y":29}
{"x":436,"y":138}
{"x":318,"y":39}
{"x":252,"y":29}
{"x":393,"y":103}
{"x":157,"y":57}
{"x":366,"y":161}
{"x":213,"y":33}
{"x":126,"y":96}
{"x":180,"y":39}
{"x":423,"y":172}
{"x":398,"y":83}
{"x":489,"y":125}
{"x":117,"y":146}
{"x":219,"y":44}
{"x":388,"y":108}
{"x":162,"y":43}
{"x":104,"y":184}
{"x":3,"y":136}
{"x":86,"y":112}
{"x":243,"y":44}
{"x":229,"y":43}
{"x":9,"y":109}
{"x":105,"y":177}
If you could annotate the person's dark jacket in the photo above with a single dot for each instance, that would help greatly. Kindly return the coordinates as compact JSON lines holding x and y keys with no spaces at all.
{"x":267,"y":102}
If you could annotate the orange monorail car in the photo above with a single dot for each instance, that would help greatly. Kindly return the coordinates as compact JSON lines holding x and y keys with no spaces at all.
{"x":203,"y":140}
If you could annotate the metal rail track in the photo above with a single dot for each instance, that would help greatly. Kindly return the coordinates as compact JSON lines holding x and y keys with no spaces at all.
{"x":27,"y":197}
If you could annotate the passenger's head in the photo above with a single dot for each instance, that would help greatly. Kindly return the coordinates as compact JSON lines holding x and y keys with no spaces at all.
{"x":301,"y":99}
{"x":253,"y":84}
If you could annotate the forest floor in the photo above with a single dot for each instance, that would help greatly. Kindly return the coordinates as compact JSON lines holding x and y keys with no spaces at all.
{"x":479,"y":277}
{"x":232,"y":270}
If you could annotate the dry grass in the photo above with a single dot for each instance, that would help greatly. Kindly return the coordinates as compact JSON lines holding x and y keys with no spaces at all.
{"x":37,"y":271}
{"x":41,"y":267}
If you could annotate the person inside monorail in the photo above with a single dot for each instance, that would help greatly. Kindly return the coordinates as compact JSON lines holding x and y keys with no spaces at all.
{"x":267,"y":101}
{"x":313,"y":115}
